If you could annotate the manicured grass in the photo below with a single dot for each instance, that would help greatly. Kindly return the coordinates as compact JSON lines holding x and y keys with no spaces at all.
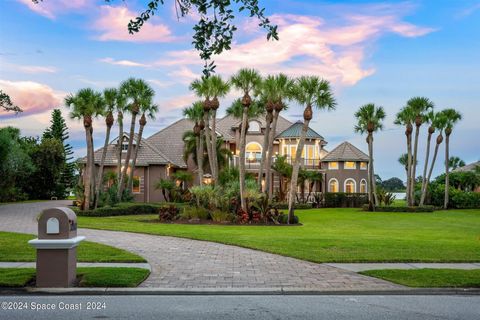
{"x":14,"y":247}
{"x":89,"y":277}
{"x":335,"y":235}
{"x":430,"y":278}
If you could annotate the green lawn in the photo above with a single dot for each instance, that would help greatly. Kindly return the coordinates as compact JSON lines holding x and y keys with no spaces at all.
{"x":430,"y":278}
{"x":89,"y":277}
{"x":335,"y":235}
{"x":14,"y":247}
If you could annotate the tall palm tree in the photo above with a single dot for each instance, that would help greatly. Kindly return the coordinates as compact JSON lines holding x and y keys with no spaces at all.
{"x":268,"y":95}
{"x":283,"y":87}
{"x":121,"y":106}
{"x":246,"y":80}
{"x":148,"y":110}
{"x":138,"y":93}
{"x":218,"y":88}
{"x":195,"y":114}
{"x":202,"y":89}
{"x":452,"y":116}
{"x":406,"y":117}
{"x":429,"y":118}
{"x":86,"y":104}
{"x":420,"y":107}
{"x":369,"y":120}
{"x":439,"y":123}
{"x":310,"y":91}
{"x":110,"y":99}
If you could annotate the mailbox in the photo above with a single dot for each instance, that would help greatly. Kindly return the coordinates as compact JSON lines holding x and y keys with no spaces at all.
{"x":57,"y":248}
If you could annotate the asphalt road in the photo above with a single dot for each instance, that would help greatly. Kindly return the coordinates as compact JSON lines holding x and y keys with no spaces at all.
{"x":241,"y":307}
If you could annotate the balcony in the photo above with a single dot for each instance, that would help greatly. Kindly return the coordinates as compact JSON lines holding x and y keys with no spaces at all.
{"x":254,"y":163}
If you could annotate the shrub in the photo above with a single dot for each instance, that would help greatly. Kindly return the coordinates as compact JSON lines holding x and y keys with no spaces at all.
{"x":400,"y":209}
{"x":168,"y":213}
{"x":194,"y":213}
{"x":283,"y":219}
{"x":122,"y":209}
{"x":221,"y":216}
{"x":345,"y":200}
{"x":299,"y":206}
{"x":457,"y":198}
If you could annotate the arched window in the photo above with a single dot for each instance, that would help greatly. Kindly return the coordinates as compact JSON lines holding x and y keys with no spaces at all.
{"x":363,"y":186}
{"x":253,"y":152}
{"x":350,"y":186}
{"x":333,"y":185}
{"x":253,"y":126}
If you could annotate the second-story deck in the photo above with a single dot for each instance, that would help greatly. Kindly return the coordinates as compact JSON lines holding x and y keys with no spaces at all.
{"x":254,"y":163}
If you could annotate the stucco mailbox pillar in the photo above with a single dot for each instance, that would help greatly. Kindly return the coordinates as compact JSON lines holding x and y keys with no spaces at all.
{"x":57,"y":248}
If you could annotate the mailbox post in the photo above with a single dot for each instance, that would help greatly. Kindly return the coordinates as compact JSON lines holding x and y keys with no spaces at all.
{"x":57,"y":248}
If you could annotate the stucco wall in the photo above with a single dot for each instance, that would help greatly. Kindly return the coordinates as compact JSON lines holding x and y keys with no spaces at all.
{"x":342,"y":174}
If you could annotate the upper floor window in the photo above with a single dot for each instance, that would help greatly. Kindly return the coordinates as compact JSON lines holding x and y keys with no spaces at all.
{"x":253,"y":126}
{"x":349,"y":165}
{"x":124,"y":147}
{"x":363,"y":165}
{"x":253,"y":152}
{"x":333,"y":165}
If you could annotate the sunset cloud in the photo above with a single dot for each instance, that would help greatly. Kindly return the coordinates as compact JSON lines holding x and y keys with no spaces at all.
{"x":125,"y":63}
{"x":51,"y":9}
{"x":37,"y":69}
{"x":112,"y":26}
{"x":32,"y":97}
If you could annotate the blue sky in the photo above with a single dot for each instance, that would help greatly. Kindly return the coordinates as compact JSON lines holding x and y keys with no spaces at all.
{"x":381,"y":52}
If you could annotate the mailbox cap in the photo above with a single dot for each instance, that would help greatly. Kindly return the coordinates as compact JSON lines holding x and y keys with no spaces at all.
{"x":57,"y":223}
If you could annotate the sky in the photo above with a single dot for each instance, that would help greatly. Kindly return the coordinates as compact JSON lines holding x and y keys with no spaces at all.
{"x":381,"y":52}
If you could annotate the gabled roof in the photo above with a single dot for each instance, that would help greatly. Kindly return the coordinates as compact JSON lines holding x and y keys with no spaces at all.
{"x":226,"y":125}
{"x":346,"y":152}
{"x":468,"y":167}
{"x":147,"y":154}
{"x":295,"y":130}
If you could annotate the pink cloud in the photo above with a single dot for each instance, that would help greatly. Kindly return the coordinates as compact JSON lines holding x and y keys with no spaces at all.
{"x":37,"y":69}
{"x":113,"y":21}
{"x":184,"y":75}
{"x":177,"y":103}
{"x":124,"y":63}
{"x":32,"y":97}
{"x":51,"y":8}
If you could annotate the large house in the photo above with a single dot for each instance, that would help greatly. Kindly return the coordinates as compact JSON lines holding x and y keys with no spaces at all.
{"x":344,"y":169}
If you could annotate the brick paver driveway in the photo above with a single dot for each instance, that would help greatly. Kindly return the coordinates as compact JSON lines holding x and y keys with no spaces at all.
{"x":185,"y":263}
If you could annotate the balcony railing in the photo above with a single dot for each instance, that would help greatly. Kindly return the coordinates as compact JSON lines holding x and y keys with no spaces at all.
{"x":255,"y":162}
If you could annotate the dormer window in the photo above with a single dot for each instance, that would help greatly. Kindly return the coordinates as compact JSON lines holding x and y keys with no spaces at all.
{"x":124,"y":147}
{"x":253,"y":126}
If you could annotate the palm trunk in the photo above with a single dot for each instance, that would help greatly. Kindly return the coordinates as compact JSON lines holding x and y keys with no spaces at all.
{"x":209,"y":144}
{"x":296,"y":169}
{"x":447,"y":181}
{"x":435,"y":153}
{"x":87,"y":179}
{"x":409,"y":169}
{"x":120,"y":144}
{"x":135,"y":154}
{"x":425,"y":167}
{"x":371,"y":203}
{"x":372,"y":174}
{"x":414,"y":165}
{"x":199,"y":159}
{"x":100,"y":170}
{"x":265,"y":153}
{"x":268,"y":164}
{"x":213,"y":132}
{"x":121,"y":185}
{"x":243,"y":133}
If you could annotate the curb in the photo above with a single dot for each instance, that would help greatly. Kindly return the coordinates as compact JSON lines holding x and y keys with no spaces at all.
{"x":230,"y":291}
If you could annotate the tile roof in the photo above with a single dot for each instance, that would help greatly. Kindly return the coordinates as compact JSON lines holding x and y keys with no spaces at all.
{"x":294,"y":132}
{"x":468,"y":167}
{"x":346,"y":152}
{"x":224,"y":125}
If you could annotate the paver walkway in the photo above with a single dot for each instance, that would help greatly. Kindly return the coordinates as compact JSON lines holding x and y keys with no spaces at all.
{"x":185,"y":263}
{"x":80,"y":264}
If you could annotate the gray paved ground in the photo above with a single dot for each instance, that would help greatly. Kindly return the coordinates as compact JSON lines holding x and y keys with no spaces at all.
{"x":184,"y":263}
{"x":247,"y":307}
{"x":79,"y":264}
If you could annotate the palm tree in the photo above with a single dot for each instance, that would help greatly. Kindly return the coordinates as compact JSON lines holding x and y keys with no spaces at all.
{"x":420,"y":107}
{"x":369,"y":120}
{"x":85,"y":104}
{"x":455,"y":162}
{"x":148,"y":110}
{"x":195,"y":114}
{"x":406,"y":117}
{"x":403,"y":160}
{"x":284,"y":171}
{"x":429,"y":118}
{"x":110,"y":99}
{"x":312,"y":92}
{"x":183,"y":177}
{"x":246,"y":80}
{"x":121,"y":106}
{"x":218,"y":89}
{"x":452,"y":116}
{"x":439,"y":122}
{"x":202,"y":90}
{"x":138,"y":93}
{"x":283,"y":87}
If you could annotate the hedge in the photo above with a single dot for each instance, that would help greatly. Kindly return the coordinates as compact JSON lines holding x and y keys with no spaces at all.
{"x":299,"y":206}
{"x":345,"y":200}
{"x":400,"y":209}
{"x":120,"y":210}
{"x":458,"y":199}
